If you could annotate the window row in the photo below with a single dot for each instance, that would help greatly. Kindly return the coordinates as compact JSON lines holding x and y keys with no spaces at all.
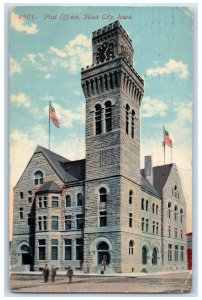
{"x":175,"y":231}
{"x":175,"y":192}
{"x":169,"y":212}
{"x":67,"y":249}
{"x":103,"y":118}
{"x":130,"y":121}
{"x":43,"y":201}
{"x":145,"y":206}
{"x":145,"y":226}
{"x":28,"y":196}
{"x":175,"y":249}
{"x":43,"y":222}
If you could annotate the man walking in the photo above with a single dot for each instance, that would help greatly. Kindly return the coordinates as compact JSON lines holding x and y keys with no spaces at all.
{"x":53,"y":273}
{"x":70,"y":274}
{"x":46,"y":273}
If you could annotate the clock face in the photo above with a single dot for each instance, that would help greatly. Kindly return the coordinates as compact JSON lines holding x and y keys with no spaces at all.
{"x":105,"y":52}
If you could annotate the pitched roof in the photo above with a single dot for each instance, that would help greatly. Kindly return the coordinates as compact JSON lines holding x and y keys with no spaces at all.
{"x":68,"y":171}
{"x":147,"y":185}
{"x":160,"y":176}
{"x":49,"y":187}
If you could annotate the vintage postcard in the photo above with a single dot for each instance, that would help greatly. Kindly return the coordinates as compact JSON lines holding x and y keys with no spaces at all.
{"x":101,"y":149}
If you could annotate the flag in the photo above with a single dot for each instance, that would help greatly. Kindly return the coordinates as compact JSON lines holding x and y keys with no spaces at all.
{"x":53,"y":116}
{"x":167,"y":139}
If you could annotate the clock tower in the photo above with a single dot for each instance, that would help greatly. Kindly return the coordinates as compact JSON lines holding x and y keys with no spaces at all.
{"x":113,"y":91}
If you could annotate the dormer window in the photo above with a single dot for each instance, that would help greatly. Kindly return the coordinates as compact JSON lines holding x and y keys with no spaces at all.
{"x":38,"y":178}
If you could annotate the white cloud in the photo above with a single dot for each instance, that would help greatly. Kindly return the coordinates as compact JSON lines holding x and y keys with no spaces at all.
{"x":18,"y":23}
{"x":75,"y":54}
{"x":38,"y":61}
{"x":49,"y":76}
{"x":20,"y":99}
{"x":14,"y":67}
{"x":153,"y":107}
{"x":184,"y":111}
{"x":172,"y":66}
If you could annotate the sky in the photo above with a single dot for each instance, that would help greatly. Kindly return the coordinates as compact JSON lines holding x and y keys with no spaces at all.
{"x":48,"y":48}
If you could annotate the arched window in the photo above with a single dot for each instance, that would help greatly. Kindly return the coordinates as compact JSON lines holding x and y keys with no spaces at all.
{"x":154,"y":257}
{"x":142,"y":203}
{"x":133,"y":124}
{"x":181,"y":215}
{"x":38,"y":177}
{"x":108,"y":116}
{"x":130,"y":197}
{"x":24,"y":248}
{"x":127,"y":118}
{"x":98,"y":119}
{"x":79,"y":199}
{"x":169,"y":209}
{"x":153,"y":208}
{"x":147,"y":204}
{"x":176,"y":209}
{"x":68,"y":201}
{"x":144,"y":255}
{"x":131,"y":248}
{"x":157,"y":209}
{"x":103,"y":194}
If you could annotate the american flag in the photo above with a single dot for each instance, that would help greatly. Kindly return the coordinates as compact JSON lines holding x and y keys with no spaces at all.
{"x":167,"y":139}
{"x":53,"y":116}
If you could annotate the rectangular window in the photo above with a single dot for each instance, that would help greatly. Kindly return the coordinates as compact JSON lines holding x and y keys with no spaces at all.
{"x":21,"y":195}
{"x":175,"y":232}
{"x":130,"y":220}
{"x":147,"y":225}
{"x":181,"y":234}
{"x":142,"y":224}
{"x":39,"y":224}
{"x":54,"y":249}
{"x":45,"y":201}
{"x":30,"y":193}
{"x":169,"y":252}
{"x":79,"y":221}
{"x":45,"y":222}
{"x":55,"y":202}
{"x":68,"y":249}
{"x":169,"y":231}
{"x":68,"y":222}
{"x":176,"y":253}
{"x":79,"y":199}
{"x":182,"y":253}
{"x":40,"y":202}
{"x":42,"y":249}
{"x":29,"y":199}
{"x":54,"y":222}
{"x":157,"y":227}
{"x":103,"y":218}
{"x":79,"y":249}
{"x":153,"y":227}
{"x":21,"y":213}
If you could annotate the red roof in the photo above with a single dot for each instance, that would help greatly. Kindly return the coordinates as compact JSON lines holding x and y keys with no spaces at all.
{"x":189,"y":234}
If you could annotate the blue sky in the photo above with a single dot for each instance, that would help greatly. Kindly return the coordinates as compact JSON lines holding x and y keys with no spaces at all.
{"x":46,"y":57}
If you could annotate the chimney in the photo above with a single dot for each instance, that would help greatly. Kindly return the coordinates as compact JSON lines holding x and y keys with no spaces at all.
{"x":148,"y":172}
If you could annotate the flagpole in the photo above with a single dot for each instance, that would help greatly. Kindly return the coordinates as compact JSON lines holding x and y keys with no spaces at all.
{"x":49,"y":126}
{"x":164,"y":146}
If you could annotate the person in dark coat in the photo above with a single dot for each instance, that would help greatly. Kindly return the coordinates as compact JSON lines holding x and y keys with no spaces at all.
{"x":70,"y":274}
{"x":53,"y":273}
{"x":46,"y":273}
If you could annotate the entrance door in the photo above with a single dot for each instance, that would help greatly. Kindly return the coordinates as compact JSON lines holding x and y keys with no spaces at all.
{"x":103,"y":255}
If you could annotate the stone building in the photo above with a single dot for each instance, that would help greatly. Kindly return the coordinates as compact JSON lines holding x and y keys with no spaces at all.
{"x":103,"y":209}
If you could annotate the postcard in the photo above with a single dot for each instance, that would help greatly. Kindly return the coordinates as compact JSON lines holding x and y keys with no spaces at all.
{"x":101,"y":149}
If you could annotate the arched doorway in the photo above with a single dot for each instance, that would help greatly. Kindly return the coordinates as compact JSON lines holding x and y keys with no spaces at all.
{"x":103,"y":253}
{"x":24,"y":249}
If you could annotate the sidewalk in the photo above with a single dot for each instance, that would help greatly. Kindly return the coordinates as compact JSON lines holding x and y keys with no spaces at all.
{"x":77,"y":273}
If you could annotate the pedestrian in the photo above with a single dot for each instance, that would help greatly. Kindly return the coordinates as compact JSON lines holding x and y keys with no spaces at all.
{"x":53,"y":273}
{"x":46,"y":273}
{"x":70,"y":274}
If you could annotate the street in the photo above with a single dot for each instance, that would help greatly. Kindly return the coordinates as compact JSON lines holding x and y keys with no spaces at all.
{"x":147,"y":283}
